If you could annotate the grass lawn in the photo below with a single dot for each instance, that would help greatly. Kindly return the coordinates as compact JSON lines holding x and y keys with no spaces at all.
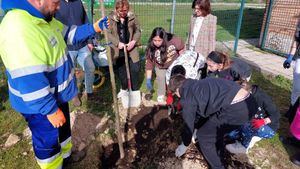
{"x":11,"y":122}
{"x":151,"y":16}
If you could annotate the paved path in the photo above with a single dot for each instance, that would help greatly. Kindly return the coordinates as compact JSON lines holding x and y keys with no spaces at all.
{"x":265,"y":62}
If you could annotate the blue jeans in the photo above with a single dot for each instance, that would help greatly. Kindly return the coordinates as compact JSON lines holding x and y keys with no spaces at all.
{"x":84,"y":59}
{"x":246,"y":132}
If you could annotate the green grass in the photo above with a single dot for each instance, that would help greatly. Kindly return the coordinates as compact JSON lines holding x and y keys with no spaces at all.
{"x":11,"y":122}
{"x":151,"y":16}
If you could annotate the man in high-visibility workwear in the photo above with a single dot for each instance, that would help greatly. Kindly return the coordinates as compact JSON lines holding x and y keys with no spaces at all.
{"x":40,"y":72}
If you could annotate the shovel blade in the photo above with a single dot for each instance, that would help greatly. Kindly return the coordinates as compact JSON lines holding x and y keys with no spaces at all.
{"x":131,"y":99}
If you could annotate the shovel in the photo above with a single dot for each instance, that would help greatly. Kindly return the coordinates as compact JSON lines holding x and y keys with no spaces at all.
{"x":131,"y":98}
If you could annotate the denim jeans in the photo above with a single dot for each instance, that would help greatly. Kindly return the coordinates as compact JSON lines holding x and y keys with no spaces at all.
{"x":84,"y":58}
{"x":246,"y":132}
{"x":161,"y":81}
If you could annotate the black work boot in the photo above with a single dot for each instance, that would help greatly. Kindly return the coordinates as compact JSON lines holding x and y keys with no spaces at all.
{"x":74,"y":158}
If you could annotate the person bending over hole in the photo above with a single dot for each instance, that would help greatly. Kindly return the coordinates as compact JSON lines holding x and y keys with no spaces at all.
{"x":223,"y":103}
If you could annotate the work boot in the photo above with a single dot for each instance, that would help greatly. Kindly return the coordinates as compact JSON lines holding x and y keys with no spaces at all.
{"x":74,"y":158}
{"x":296,"y":159}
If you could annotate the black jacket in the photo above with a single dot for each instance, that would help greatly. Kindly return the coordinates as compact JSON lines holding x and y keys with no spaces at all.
{"x":238,"y":70}
{"x":203,"y":99}
{"x":268,"y":107}
{"x":72,"y":13}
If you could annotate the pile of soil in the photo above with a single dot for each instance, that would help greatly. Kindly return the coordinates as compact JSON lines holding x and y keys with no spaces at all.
{"x":151,"y":138}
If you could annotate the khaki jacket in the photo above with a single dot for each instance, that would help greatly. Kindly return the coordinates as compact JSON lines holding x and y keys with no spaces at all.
{"x":206,"y":40}
{"x":134,"y":34}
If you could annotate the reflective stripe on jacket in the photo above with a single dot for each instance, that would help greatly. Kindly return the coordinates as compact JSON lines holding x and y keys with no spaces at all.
{"x":39,"y":70}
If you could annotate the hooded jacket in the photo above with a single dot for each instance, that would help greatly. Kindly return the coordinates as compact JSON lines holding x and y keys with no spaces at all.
{"x":39,"y":70}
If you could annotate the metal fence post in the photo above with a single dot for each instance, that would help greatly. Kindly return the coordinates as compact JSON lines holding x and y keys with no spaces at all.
{"x":238,"y":28}
{"x":269,"y":12}
{"x":173,"y":16}
{"x":89,"y":10}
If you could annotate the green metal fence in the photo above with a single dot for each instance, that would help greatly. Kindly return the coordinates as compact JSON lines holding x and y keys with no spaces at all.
{"x":279,"y":25}
{"x":159,"y":13}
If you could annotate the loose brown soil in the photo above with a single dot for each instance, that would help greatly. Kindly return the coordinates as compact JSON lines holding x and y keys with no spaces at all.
{"x":151,"y":139}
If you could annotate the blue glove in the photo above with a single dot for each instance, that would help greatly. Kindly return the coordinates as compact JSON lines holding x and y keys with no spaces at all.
{"x":287,"y":62}
{"x":101,"y":24}
{"x":149,"y":85}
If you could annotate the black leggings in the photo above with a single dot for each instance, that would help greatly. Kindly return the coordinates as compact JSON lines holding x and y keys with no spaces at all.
{"x":134,"y":69}
{"x":211,"y":134}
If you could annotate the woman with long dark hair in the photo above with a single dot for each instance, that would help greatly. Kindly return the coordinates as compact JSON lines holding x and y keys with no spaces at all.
{"x":163,"y":48}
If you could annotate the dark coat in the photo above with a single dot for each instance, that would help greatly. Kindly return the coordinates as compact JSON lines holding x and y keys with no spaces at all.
{"x":72,"y":13}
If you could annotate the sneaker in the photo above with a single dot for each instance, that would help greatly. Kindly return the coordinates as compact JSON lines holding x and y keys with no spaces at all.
{"x":254,"y":140}
{"x":194,"y":137}
{"x":161,"y":99}
{"x":236,"y":148}
{"x":122,"y":93}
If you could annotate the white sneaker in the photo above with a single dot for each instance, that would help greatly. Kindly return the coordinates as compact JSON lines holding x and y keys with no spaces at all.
{"x":122,"y":93}
{"x":161,"y":99}
{"x":254,"y":140}
{"x":194,"y":137}
{"x":236,"y":148}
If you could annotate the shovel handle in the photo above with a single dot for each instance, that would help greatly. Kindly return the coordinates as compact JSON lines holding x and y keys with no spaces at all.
{"x":127,"y":68}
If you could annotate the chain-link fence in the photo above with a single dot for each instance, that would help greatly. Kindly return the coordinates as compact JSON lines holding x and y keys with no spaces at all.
{"x":156,"y":13}
{"x":279,"y":25}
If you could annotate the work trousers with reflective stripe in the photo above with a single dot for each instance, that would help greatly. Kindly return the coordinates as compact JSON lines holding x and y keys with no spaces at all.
{"x":51,"y":145}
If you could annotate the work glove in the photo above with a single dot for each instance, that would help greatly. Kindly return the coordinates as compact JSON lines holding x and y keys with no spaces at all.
{"x":101,"y":24}
{"x":181,"y":149}
{"x":149,"y":84}
{"x":257,"y":123}
{"x":57,"y":119}
{"x":169,"y":99}
{"x":287,"y":62}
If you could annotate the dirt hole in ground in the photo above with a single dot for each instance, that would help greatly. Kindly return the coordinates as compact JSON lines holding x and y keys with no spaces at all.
{"x":151,"y":138}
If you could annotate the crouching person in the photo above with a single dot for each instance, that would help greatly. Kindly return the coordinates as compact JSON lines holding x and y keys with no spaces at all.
{"x":223,"y":103}
{"x":263,"y":125}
